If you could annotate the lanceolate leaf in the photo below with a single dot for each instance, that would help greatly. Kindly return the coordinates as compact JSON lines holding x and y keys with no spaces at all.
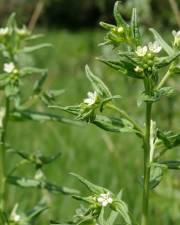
{"x":34,"y":183}
{"x":97,"y":84}
{"x":113,"y":124}
{"x":171,"y":164}
{"x":92,"y":187}
{"x":165,"y":61}
{"x":35,"y":48}
{"x":162,"y":42}
{"x":167,"y":140}
{"x":117,"y":15}
{"x":135,"y":27}
{"x":122,"y":208}
{"x":40,"y":117}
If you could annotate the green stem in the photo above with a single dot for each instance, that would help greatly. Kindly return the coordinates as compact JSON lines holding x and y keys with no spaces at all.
{"x":166,"y":77}
{"x":126,"y":116}
{"x":2,"y":156}
{"x":145,"y":205}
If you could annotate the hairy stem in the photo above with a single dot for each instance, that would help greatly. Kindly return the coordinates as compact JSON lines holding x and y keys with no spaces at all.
{"x":2,"y":157}
{"x":145,"y":205}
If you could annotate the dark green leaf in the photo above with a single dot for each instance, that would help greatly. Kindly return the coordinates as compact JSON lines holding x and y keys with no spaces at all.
{"x":32,"y":183}
{"x":113,"y":124}
{"x":171,"y":164}
{"x":40,"y":117}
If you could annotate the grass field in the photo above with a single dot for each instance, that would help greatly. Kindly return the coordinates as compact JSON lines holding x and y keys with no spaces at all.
{"x":110,"y":160}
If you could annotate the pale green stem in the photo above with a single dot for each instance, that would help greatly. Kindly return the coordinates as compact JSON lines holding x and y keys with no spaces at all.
{"x":166,"y":77}
{"x":3,"y":157}
{"x":146,"y":187}
{"x":126,"y":116}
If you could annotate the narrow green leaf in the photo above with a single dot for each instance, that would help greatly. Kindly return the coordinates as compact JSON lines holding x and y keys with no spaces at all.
{"x":40,"y":117}
{"x":36,"y":211}
{"x":135,"y":27}
{"x":37,"y":88}
{"x":113,"y":124}
{"x":162,"y":42}
{"x":32,"y":183}
{"x":92,"y":187}
{"x":117,"y":15}
{"x":171,"y":164}
{"x":35,"y":48}
{"x":97,"y":83}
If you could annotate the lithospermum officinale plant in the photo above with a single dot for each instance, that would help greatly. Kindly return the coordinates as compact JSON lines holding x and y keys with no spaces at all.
{"x":144,"y":62}
{"x":15,"y":44}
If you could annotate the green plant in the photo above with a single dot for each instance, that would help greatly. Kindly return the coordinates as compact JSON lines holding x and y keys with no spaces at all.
{"x":146,"y":63}
{"x":15,"y":44}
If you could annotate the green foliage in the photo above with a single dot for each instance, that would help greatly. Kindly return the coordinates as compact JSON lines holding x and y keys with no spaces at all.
{"x":19,"y":107}
{"x":142,"y":62}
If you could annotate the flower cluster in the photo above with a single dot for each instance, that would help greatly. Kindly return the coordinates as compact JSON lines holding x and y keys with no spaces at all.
{"x":148,"y":54}
{"x":152,"y":48}
{"x":105,"y":199}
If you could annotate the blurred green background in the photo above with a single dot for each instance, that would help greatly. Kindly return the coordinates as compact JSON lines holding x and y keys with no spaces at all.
{"x":110,"y":160}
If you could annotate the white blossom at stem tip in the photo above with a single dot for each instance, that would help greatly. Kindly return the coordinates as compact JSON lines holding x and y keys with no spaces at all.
{"x":154,"y":47}
{"x":104,"y":199}
{"x":9,"y":67}
{"x":141,"y":50}
{"x":92,"y":97}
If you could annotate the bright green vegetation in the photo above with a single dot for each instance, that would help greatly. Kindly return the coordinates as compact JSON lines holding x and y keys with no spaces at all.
{"x":109,"y":160}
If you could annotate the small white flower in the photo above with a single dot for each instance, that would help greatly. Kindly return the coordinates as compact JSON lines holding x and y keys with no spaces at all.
{"x":92,"y":97}
{"x":4,"y":31}
{"x":9,"y":67}
{"x":120,"y":29}
{"x":138,"y":69}
{"x":176,"y":35}
{"x":154,"y":47}
{"x":141,"y":50}
{"x":105,"y":199}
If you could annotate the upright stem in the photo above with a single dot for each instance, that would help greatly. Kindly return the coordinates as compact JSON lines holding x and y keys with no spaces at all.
{"x":2,"y":156}
{"x":145,"y":205}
